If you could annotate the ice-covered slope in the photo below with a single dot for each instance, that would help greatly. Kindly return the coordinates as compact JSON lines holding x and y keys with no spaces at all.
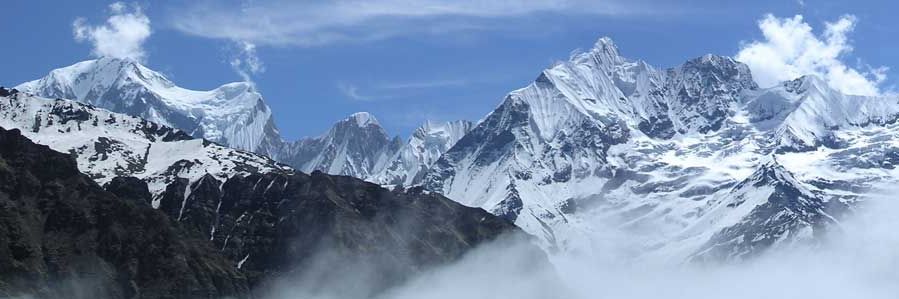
{"x":233,"y":114}
{"x":427,"y":143}
{"x":108,"y":144}
{"x":601,"y":141}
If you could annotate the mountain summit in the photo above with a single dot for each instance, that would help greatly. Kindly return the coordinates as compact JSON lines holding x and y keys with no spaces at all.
{"x":233,"y":114}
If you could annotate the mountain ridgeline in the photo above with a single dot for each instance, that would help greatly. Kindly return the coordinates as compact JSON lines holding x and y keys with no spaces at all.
{"x":235,"y":115}
{"x":180,"y":217}
{"x":696,"y":161}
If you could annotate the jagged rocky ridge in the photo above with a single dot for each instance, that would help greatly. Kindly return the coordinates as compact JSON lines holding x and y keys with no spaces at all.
{"x":696,"y":161}
{"x":267,"y":220}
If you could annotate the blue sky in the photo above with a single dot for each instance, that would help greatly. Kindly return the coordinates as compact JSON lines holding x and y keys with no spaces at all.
{"x":407,"y":61}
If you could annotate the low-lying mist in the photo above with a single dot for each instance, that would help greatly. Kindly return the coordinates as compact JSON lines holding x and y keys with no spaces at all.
{"x":858,"y":259}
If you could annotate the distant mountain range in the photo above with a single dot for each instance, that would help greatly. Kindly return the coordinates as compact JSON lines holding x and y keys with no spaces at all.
{"x":235,"y":115}
{"x":697,"y":161}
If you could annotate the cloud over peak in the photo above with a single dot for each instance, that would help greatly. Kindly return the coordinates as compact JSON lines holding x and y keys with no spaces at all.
{"x":122,"y":36}
{"x":791,"y":49}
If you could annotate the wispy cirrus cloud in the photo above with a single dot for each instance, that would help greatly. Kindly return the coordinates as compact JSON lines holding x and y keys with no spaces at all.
{"x":397,"y":90}
{"x":351,"y":91}
{"x":316,"y":23}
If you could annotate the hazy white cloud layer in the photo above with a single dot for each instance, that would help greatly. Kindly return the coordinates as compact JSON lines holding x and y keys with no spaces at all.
{"x":791,"y":49}
{"x":315,"y":23}
{"x":858,"y":260}
{"x":122,"y":36}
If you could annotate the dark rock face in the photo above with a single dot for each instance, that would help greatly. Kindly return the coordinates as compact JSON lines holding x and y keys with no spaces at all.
{"x":130,"y":188}
{"x":62,"y":236}
{"x":272,"y":225}
{"x":705,"y":87}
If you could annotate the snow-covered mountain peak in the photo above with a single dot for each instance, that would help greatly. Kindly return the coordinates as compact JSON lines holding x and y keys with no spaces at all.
{"x":234,"y":114}
{"x":604,"y":51}
{"x":355,"y":146}
{"x":711,"y":69}
{"x":604,"y":55}
{"x":605,"y":42}
{"x":408,"y":165}
{"x":363,"y":119}
{"x":771,"y":172}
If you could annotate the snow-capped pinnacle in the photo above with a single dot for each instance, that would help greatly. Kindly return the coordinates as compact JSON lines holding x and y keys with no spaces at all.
{"x":355,"y":146}
{"x":604,"y":52}
{"x":363,"y":119}
{"x":770,"y":169}
{"x":606,"y":44}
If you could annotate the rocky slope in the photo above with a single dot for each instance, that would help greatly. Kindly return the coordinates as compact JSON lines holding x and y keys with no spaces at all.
{"x":61,"y":235}
{"x":276,"y":225}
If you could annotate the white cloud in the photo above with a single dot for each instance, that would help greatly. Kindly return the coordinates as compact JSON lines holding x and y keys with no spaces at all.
{"x":304,"y":23}
{"x":423,"y":84}
{"x":352,"y":92}
{"x":397,"y":90}
{"x":122,"y":36}
{"x":791,"y":49}
{"x":246,"y":62}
